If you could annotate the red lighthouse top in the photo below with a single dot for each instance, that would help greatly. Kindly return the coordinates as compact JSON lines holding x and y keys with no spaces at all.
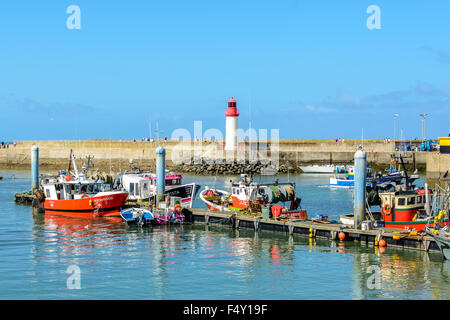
{"x":232,"y":111}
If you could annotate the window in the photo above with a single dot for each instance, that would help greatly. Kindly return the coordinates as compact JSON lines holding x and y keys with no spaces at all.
{"x":47,"y":193}
{"x":136,"y":189}
{"x":419,"y":199}
{"x":411,"y":200}
{"x":131,"y":188}
{"x":401,"y":201}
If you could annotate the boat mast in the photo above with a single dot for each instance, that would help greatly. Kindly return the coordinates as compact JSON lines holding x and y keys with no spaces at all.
{"x":75,"y":166}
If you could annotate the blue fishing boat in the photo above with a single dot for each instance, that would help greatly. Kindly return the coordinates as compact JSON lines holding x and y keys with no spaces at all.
{"x":137,"y":216}
{"x":347,"y":179}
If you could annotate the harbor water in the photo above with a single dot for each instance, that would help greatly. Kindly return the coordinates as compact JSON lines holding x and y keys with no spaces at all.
{"x":39,"y":254}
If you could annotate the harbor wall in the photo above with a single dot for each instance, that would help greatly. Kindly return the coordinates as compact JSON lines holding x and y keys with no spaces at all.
{"x":114,"y":155}
{"x":438,"y":169}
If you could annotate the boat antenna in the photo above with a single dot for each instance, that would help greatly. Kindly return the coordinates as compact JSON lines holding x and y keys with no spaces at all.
{"x":157,"y":131}
{"x":70,"y":162}
{"x":362,"y":137}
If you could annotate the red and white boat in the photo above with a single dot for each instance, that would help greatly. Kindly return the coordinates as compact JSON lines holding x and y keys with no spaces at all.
{"x":81,"y":197}
{"x":247,"y":195}
{"x":406,"y":210}
{"x":217,"y":200}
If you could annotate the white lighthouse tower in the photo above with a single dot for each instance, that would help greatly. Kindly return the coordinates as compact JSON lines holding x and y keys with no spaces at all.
{"x":231,"y":131}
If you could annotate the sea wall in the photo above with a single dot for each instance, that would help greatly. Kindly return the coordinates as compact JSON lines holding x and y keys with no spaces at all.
{"x":115,"y":155}
{"x":438,"y":169}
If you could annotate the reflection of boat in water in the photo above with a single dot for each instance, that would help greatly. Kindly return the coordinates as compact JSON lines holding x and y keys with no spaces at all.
{"x":80,"y":197}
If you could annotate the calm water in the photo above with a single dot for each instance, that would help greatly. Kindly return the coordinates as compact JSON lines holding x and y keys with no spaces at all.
{"x":201,"y":262}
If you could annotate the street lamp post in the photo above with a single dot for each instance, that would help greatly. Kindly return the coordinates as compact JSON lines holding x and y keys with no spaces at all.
{"x":395,"y":132}
{"x":424,"y":116}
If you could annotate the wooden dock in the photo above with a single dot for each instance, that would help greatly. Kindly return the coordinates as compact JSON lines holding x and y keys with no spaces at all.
{"x":392,"y":237}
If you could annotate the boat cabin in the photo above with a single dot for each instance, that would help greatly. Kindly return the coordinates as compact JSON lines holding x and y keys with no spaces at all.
{"x":70,"y":190}
{"x":143,"y":186}
{"x":401,"y":205}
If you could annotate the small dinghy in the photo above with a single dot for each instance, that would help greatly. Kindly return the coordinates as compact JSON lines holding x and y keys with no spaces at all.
{"x":137,"y":216}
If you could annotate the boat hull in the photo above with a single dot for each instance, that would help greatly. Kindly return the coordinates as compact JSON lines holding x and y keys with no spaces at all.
{"x":107,"y":205}
{"x":317,"y":169}
{"x":417,"y":225}
{"x":211,"y":205}
{"x":341,"y":183}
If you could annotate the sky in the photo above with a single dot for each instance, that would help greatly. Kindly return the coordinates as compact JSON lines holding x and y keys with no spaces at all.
{"x":311,"y":69}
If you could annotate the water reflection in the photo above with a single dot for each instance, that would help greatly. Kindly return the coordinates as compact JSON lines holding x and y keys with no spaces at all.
{"x":204,"y":262}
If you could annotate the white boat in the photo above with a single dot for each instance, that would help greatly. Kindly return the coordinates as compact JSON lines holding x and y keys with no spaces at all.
{"x":141,"y":186}
{"x":216,"y":199}
{"x":249,"y":196}
{"x":347,"y":219}
{"x":328,"y":168}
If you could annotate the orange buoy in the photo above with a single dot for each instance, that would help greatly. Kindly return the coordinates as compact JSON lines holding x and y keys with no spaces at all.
{"x":341,"y":235}
{"x":382,"y":243}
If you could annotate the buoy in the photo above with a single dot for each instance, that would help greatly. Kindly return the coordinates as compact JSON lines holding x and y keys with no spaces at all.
{"x":382,"y":243}
{"x":376,"y":242}
{"x":341,"y":235}
{"x":396,"y":237}
{"x":413,"y":233}
{"x":310,"y":230}
{"x":311,"y":235}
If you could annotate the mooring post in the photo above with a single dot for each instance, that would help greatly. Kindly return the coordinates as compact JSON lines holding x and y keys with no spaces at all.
{"x":34,"y":168}
{"x":160,"y":173}
{"x":291,"y":229}
{"x":359,"y":207}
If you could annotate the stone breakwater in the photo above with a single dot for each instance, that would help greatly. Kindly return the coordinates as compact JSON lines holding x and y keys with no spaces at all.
{"x":205,"y":167}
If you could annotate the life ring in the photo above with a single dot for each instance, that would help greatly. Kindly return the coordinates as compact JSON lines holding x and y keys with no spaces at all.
{"x":84,"y":196}
{"x":387,"y":209}
{"x":177,"y":208}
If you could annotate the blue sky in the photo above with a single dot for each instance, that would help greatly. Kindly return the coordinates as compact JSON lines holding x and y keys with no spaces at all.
{"x":309,"y":68}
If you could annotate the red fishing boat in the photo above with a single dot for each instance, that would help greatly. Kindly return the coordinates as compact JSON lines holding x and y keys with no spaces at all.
{"x":81,"y":197}
{"x":406,"y":210}
{"x":247,"y":195}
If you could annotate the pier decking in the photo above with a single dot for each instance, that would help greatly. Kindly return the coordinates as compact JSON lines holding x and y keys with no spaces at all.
{"x":318,"y":230}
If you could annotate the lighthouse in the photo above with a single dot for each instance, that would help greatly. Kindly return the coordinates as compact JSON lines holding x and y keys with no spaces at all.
{"x":231,"y":126}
